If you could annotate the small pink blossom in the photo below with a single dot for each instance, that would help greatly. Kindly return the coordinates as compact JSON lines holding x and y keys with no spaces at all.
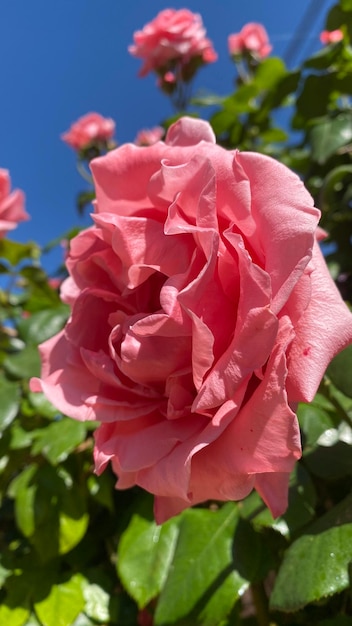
{"x":252,"y":38}
{"x":169,"y":77}
{"x":90,"y":128}
{"x":331,"y":36}
{"x":12,"y":204}
{"x":148,"y":136}
{"x":173,"y":37}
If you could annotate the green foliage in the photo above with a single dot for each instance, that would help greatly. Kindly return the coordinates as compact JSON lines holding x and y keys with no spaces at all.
{"x":76,"y":552}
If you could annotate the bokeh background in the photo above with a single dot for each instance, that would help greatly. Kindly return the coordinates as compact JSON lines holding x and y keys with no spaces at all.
{"x":64,"y":59}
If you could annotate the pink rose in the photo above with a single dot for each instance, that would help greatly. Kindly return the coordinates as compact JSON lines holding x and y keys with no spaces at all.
{"x":252,"y":38}
{"x":202,"y":312}
{"x":331,"y":36}
{"x":12,"y":203}
{"x":147,"y":137}
{"x":90,"y":128}
{"x":174,"y":36}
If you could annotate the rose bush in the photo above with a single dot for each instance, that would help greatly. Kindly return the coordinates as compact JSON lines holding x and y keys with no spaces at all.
{"x":174,"y":37}
{"x":12,"y":203}
{"x":87,"y":129}
{"x":252,"y":38}
{"x":202,"y":311}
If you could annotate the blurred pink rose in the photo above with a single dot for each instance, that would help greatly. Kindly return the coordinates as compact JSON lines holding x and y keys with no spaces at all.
{"x":148,"y":136}
{"x":12,"y":203}
{"x":331,"y":36}
{"x":202,"y":312}
{"x":55,"y":283}
{"x":90,"y":128}
{"x":173,"y":36}
{"x":252,"y":38}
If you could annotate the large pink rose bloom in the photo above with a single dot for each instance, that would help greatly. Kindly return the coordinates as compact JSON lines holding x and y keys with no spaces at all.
{"x":90,"y":128}
{"x":202,"y":312}
{"x":174,"y":35}
{"x":12,"y":209}
{"x":252,"y":38}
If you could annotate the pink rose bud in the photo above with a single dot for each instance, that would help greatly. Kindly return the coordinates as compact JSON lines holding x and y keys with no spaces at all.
{"x":90,"y":128}
{"x":173,"y":36}
{"x":331,"y":36}
{"x":252,"y":38}
{"x":12,"y":209}
{"x":202,"y":311}
{"x":147,"y":137}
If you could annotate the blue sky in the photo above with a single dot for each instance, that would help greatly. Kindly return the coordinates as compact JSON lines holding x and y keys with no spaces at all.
{"x":64,"y":58}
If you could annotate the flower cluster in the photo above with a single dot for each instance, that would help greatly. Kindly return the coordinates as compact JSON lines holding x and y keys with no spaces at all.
{"x":12,"y":208}
{"x":202,"y":311}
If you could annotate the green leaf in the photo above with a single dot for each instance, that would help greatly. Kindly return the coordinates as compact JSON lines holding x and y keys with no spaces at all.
{"x":101,"y":488}
{"x":73,"y":519}
{"x":42,"y":406}
{"x":338,"y":515}
{"x":10,"y":400}
{"x":326,"y":57}
{"x":57,"y":440}
{"x":314,"y":567}
{"x":302,"y":500}
{"x":243,"y":100}
{"x":20,"y":438}
{"x":328,"y":135}
{"x":332,"y":458}
{"x":314,"y":98}
{"x":23,"y":364}
{"x":269,"y":72}
{"x":222,"y":121}
{"x":42,"y":296}
{"x":346,"y":5}
{"x":273,"y":135}
{"x":251,"y":555}
{"x":337,"y":179}
{"x":49,"y":512}
{"x":23,"y":489}
{"x":13,"y":616}
{"x":314,"y":420}
{"x":42,"y":325}
{"x":287,"y":85}
{"x":144,"y":557}
{"x":203,"y":584}
{"x":63,"y":604}
{"x":339,"y":371}
{"x":15,"y":252}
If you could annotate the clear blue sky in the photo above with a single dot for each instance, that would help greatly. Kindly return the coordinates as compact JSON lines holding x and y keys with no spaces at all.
{"x":64,"y":58}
